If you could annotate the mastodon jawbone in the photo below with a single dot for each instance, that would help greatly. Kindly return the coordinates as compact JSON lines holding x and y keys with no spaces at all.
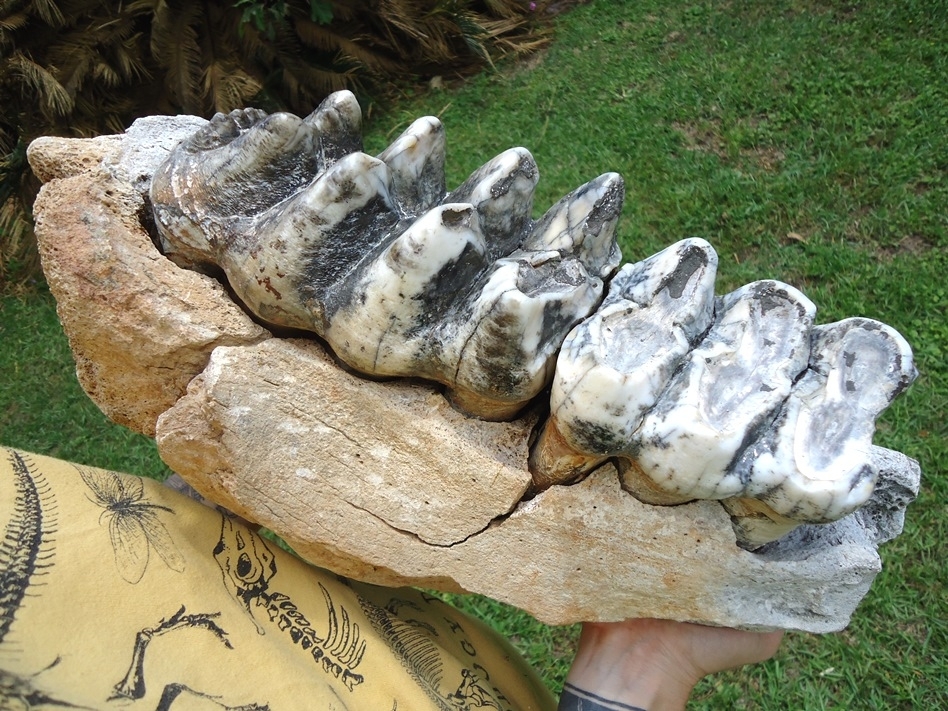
{"x":637,"y":402}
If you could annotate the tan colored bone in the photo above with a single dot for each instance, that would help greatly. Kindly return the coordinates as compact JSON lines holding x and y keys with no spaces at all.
{"x":271,"y":430}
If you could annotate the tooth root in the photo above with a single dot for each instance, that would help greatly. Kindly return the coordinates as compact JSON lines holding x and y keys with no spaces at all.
{"x":416,"y":159}
{"x":338,"y":121}
{"x":614,"y":365}
{"x":727,"y":390}
{"x":814,"y":465}
{"x":520,"y":318}
{"x":384,"y":328}
{"x":583,"y":224}
{"x":502,"y":192}
{"x":555,"y":460}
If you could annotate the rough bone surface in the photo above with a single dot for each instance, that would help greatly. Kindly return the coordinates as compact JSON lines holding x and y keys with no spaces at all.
{"x":386,"y":482}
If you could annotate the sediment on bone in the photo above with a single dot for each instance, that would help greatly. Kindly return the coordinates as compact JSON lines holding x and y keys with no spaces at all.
{"x":814,"y":464}
{"x":727,"y":390}
{"x":614,"y":365}
{"x":467,"y":293}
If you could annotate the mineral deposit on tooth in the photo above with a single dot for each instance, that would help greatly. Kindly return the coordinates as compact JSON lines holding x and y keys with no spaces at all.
{"x":660,"y":393}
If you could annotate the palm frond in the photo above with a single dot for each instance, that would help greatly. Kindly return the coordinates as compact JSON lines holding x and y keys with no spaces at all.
{"x":49,"y":12}
{"x":176,"y":48}
{"x":229,"y":87}
{"x":328,"y":38}
{"x":13,"y":22}
{"x":54,"y":99}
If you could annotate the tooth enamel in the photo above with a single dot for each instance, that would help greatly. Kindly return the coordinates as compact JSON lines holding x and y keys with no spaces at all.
{"x":416,"y":160}
{"x":521,"y":317}
{"x":814,"y":465}
{"x":583,"y":224}
{"x":728,"y":389}
{"x":502,"y":193}
{"x":338,"y":122}
{"x":403,"y":294}
{"x":465,"y":290}
{"x":613,"y":366}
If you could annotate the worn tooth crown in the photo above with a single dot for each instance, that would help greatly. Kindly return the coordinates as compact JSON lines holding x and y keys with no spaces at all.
{"x":728,"y":389}
{"x":739,"y":399}
{"x":814,"y":465}
{"x":615,"y":364}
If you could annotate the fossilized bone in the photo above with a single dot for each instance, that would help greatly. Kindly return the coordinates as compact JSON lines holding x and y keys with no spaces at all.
{"x":737,"y":398}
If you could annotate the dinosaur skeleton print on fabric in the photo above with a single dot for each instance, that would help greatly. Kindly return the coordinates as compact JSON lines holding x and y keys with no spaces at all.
{"x":119,"y":593}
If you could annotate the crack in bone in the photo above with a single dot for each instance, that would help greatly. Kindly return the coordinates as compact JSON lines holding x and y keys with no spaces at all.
{"x":694,"y":397}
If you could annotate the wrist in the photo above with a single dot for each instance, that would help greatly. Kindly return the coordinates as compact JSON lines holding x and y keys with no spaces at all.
{"x":629,"y":666}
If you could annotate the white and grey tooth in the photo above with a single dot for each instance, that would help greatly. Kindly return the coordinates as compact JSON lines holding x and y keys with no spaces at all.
{"x":614,"y":365}
{"x":737,"y":398}
{"x":372,"y":255}
{"x":814,"y":464}
{"x":727,"y":389}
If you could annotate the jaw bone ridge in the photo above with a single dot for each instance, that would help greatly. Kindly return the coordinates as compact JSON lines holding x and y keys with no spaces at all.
{"x":737,"y":398}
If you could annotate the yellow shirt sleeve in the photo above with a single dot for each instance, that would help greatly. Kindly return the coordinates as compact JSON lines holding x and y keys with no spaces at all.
{"x":118,"y":593}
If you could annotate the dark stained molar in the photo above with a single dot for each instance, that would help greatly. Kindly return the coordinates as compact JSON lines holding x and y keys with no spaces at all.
{"x":371,"y":255}
{"x":737,"y":398}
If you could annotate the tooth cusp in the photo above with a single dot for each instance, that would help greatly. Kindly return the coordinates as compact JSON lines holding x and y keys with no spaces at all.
{"x":737,"y":398}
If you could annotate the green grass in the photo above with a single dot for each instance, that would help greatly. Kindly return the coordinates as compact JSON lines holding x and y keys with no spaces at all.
{"x":808,"y":141}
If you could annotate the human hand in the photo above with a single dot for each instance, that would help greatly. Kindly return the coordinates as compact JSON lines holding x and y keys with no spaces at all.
{"x":654,"y":664}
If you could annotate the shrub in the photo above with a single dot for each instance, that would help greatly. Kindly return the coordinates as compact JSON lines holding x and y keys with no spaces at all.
{"x":87,"y":67}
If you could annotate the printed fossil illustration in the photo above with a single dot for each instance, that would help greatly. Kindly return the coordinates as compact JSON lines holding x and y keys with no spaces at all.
{"x":27,"y":546}
{"x":134,"y":527}
{"x":412,"y":642}
{"x":133,"y":687}
{"x":26,"y":552}
{"x":738,"y":398}
{"x":248,"y":565}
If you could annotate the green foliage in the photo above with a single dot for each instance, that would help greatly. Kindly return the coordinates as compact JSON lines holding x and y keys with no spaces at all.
{"x":265,"y":15}
{"x":87,"y":67}
{"x":806,"y":139}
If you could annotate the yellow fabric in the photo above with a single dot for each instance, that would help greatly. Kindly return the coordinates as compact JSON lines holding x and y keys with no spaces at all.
{"x":116,"y":593}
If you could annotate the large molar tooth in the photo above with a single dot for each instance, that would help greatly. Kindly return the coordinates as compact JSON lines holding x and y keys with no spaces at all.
{"x":384,"y":329}
{"x":814,"y":465}
{"x":416,"y":160}
{"x":728,"y":389}
{"x":502,"y":192}
{"x":518,"y":322}
{"x":293,"y":259}
{"x":338,"y":121}
{"x":583,"y":224}
{"x":613,"y":366}
{"x":237,"y":165}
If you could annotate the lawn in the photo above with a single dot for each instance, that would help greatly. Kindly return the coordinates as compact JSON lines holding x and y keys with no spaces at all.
{"x":808,"y":142}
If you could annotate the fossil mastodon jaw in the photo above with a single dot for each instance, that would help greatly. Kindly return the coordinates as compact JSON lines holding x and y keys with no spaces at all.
{"x":696,"y":399}
{"x":386,"y":482}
